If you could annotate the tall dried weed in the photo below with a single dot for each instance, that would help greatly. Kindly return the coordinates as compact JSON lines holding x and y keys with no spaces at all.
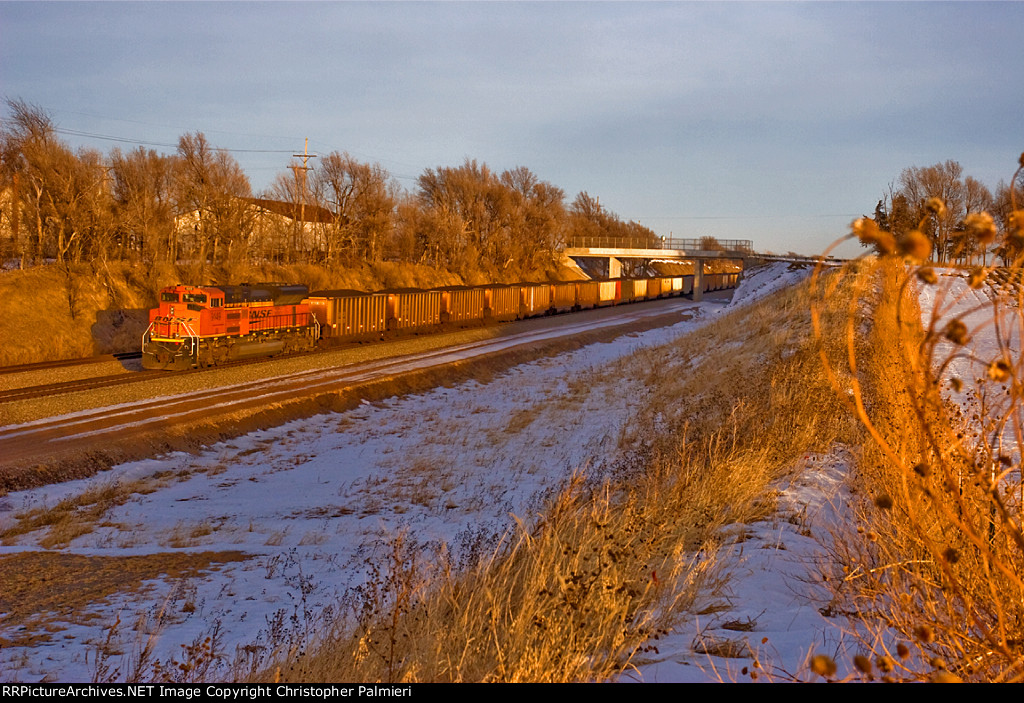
{"x":933,"y":578}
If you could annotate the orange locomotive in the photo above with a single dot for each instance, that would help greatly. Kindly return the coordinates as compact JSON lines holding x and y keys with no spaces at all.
{"x":199,"y":326}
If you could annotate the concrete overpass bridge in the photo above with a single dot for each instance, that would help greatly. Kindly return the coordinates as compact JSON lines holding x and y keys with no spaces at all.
{"x":698,"y":251}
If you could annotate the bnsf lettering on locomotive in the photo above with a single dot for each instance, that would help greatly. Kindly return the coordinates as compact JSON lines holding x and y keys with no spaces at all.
{"x":258,"y":314}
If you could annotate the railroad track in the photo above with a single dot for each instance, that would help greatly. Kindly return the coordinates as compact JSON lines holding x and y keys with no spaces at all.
{"x":110,"y":425}
{"x":98,"y":382}
{"x":64,"y":363}
{"x":85,"y":384}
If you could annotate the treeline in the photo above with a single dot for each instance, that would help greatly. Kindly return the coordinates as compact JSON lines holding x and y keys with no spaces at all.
{"x":912,"y":204}
{"x":196,"y":205}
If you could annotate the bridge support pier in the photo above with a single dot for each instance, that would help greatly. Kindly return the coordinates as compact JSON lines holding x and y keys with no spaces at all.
{"x":698,"y":280}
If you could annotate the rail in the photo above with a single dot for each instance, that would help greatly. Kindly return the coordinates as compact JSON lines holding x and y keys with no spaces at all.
{"x":745,"y":246}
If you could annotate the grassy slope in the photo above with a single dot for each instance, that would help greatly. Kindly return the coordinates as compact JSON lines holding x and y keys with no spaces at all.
{"x":609,"y":563}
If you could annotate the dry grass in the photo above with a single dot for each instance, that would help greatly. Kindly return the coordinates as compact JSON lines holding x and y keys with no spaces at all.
{"x":185,"y":535}
{"x":37,"y":588}
{"x":612,"y":560}
{"x":933,"y":577}
{"x":75,"y":515}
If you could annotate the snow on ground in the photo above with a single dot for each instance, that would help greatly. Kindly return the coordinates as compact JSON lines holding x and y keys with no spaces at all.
{"x":770,"y":608}
{"x":993,"y":324}
{"x":764,"y":280}
{"x":313,"y":502}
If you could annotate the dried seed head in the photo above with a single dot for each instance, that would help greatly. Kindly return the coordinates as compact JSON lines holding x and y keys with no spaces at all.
{"x":956,"y":332}
{"x":935,"y":206}
{"x":885,"y":664}
{"x":867,"y":231}
{"x":956,"y":384}
{"x":916,"y":245}
{"x":976,"y":278}
{"x":883,"y":501}
{"x":927,"y":274}
{"x":951,"y":555}
{"x":822,"y":665}
{"x":924,"y":633}
{"x":922,"y":469}
{"x":981,"y":226}
{"x":862,"y":663}
{"x":902,"y":650}
{"x":1016,"y":222}
{"x":999,"y":371}
{"x":1021,"y":160}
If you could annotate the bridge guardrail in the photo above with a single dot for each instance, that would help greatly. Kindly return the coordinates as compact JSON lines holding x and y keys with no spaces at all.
{"x":702,"y":243}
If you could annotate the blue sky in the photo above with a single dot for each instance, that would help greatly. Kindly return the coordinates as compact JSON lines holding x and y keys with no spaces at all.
{"x":773,"y":121}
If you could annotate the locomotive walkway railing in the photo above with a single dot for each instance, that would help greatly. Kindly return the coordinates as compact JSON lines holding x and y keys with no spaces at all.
{"x":745,"y":246}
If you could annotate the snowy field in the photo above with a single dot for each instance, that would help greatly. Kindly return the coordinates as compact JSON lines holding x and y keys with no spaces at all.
{"x":314,"y":502}
{"x":993,"y":323}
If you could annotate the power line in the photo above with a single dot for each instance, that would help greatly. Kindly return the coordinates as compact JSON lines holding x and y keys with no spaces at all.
{"x":747,"y":217}
{"x":144,"y":142}
{"x":178,"y":129}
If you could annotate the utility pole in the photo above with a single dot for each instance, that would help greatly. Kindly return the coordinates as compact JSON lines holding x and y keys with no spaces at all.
{"x":305,"y":156}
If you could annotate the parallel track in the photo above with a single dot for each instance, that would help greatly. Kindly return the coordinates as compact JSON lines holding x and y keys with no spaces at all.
{"x":102,"y":428}
{"x":265,"y":392}
{"x":64,"y":363}
{"x":85,"y":384}
{"x":99,"y":382}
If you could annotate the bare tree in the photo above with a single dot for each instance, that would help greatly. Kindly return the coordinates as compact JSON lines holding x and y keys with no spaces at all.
{"x":210,"y":194}
{"x":945,"y":182}
{"x":462,"y":209}
{"x":142,"y":192}
{"x":538,"y":218}
{"x":59,"y":193}
{"x":588,"y":220}
{"x":362,"y":202}
{"x":1006,"y":198}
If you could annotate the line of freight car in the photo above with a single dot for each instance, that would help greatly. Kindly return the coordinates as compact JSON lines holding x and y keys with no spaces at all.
{"x":354,"y":315}
{"x":208,"y":326}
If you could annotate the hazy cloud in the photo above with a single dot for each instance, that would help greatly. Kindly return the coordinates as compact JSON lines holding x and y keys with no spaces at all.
{"x":671,"y":110}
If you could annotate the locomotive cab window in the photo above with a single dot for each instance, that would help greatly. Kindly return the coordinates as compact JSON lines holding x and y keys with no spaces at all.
{"x":216,"y":302}
{"x":169,"y":297}
{"x":194,"y":298}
